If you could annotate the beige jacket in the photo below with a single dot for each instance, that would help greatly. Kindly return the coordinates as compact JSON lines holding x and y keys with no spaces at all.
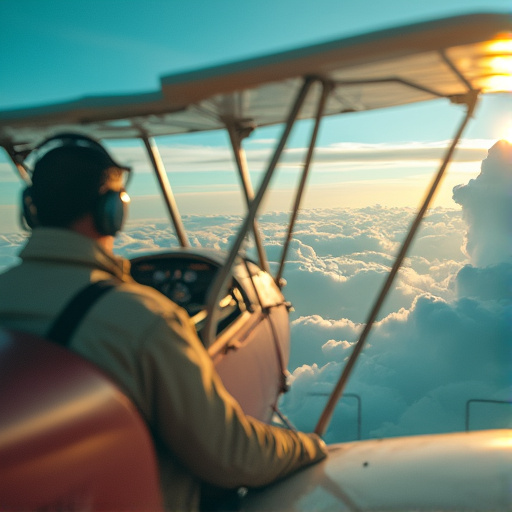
{"x":149,"y":346}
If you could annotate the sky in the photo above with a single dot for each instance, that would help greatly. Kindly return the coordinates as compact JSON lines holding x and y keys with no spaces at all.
{"x":444,"y":333}
{"x":58,"y":51}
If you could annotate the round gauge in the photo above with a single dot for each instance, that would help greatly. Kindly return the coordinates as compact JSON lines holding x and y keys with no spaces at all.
{"x":159,"y":276}
{"x":190,"y":276}
{"x":180,"y":293}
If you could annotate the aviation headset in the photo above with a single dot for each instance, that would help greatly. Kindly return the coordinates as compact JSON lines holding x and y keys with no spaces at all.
{"x":110,"y":208}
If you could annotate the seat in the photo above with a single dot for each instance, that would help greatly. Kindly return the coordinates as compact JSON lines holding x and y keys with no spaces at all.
{"x":69,"y":438}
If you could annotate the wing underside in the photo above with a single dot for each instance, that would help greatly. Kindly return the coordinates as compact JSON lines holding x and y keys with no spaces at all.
{"x":447,"y":58}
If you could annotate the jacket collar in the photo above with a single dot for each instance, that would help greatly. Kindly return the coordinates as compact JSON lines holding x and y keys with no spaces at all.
{"x":69,"y":247}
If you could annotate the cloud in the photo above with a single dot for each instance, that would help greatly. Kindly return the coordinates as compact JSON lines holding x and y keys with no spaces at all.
{"x":431,"y":358}
{"x":339,"y":258}
{"x":349,"y":153}
{"x":489,"y":283}
{"x":315,"y":340}
{"x":425,"y":362}
{"x":340,"y":157}
{"x":487,"y":208}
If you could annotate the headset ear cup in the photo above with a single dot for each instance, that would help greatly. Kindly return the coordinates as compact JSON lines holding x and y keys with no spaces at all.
{"x":110,"y":212}
{"x":28,"y":208}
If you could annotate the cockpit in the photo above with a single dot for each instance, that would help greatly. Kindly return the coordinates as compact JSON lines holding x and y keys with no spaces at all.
{"x":185,"y":278}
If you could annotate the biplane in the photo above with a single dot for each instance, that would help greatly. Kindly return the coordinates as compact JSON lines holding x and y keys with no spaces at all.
{"x":58,"y":450}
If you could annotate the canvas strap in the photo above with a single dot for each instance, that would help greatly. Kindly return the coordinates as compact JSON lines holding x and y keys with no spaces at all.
{"x":70,"y":318}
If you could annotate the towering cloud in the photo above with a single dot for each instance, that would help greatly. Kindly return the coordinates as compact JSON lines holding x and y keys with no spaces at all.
{"x":487,"y":208}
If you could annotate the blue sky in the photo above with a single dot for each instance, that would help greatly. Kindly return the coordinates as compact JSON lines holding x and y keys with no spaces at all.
{"x":57,"y":50}
{"x":61,"y":50}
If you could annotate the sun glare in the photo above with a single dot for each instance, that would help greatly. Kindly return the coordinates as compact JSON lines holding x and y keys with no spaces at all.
{"x":507,"y":134}
{"x":499,"y":63}
{"x":502,"y":45}
{"x":498,"y":83}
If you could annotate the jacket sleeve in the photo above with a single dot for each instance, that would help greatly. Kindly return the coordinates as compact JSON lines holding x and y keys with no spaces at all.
{"x":202,"y":424}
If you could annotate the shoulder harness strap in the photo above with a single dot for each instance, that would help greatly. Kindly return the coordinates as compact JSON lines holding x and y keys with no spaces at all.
{"x":70,"y":318}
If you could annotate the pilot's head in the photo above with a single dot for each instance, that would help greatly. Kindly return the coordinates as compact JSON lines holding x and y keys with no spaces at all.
{"x":74,"y":177}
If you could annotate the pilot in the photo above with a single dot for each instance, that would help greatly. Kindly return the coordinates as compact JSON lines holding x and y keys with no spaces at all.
{"x":75,"y":206}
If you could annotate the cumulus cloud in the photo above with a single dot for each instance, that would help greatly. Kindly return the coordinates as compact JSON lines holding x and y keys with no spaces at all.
{"x":339,"y":258}
{"x":435,"y":356}
{"x":452,"y":344}
{"x":487,"y":208}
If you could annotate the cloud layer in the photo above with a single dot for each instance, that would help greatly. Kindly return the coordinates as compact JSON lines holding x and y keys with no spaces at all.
{"x":444,"y":334}
{"x":451,"y":343}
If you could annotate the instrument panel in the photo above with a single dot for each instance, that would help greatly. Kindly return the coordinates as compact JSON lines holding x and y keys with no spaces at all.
{"x":184,"y":279}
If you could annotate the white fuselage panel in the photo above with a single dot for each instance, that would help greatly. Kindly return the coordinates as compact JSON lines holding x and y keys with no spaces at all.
{"x":461,"y":471}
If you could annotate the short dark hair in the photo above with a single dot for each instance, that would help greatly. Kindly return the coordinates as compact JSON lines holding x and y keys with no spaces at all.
{"x":67,"y":182}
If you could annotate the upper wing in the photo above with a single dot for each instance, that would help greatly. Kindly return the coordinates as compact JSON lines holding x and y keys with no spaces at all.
{"x":447,"y":58}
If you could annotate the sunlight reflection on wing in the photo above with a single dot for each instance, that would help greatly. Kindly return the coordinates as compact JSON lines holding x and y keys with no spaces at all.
{"x":500,"y":64}
{"x":503,"y":44}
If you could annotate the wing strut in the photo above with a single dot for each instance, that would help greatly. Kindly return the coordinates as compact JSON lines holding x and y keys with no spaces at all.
{"x":224,"y":272}
{"x":326,"y":89}
{"x":158,"y":166}
{"x":321,"y":427}
{"x":236,"y":134}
